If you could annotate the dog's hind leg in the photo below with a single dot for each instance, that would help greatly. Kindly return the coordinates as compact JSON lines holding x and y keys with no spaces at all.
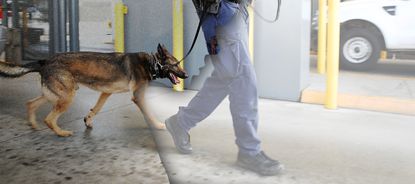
{"x":138,"y":99}
{"x":32,"y":106}
{"x":100,"y":103}
{"x":59,"y":88}
{"x":51,"y":120}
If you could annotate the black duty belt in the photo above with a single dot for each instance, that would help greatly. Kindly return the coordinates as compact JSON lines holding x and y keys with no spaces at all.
{"x":235,"y":1}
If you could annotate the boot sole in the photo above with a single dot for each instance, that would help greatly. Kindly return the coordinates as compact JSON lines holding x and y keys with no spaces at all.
{"x":262,"y":173}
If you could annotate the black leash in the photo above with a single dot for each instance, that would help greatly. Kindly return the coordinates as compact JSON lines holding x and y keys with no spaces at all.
{"x":202,"y":18}
{"x":277,"y":16}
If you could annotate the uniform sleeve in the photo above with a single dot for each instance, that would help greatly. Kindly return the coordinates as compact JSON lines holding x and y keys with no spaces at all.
{"x":209,"y":26}
{"x":226,"y":12}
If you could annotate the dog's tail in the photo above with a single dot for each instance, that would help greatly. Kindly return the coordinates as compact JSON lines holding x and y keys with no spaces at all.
{"x":11,"y":70}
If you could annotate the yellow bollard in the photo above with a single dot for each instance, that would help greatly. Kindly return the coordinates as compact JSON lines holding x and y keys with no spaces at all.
{"x":120,"y":10}
{"x":333,"y":45}
{"x":178,"y":45}
{"x":383,"y":55}
{"x":322,"y":36}
{"x":251,"y":32}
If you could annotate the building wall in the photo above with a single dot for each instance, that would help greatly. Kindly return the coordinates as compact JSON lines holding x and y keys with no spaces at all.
{"x":95,"y":10}
{"x":281,"y":49}
{"x":95,"y":33}
{"x":150,"y":22}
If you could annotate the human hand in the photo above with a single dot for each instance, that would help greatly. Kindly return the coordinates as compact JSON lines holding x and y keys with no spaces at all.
{"x":213,"y":46}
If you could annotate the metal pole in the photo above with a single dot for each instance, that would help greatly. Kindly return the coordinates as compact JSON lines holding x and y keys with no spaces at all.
{"x":5,"y":20}
{"x":53,"y":7}
{"x":333,"y":45}
{"x":322,"y":37}
{"x":178,"y":39}
{"x":51,"y":27}
{"x":74,"y":25}
{"x":62,"y":26}
{"x":15,"y":11}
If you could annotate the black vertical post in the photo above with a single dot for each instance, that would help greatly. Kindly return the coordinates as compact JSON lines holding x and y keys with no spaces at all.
{"x":62,"y":25}
{"x":5,"y":20}
{"x":53,"y":27}
{"x":60,"y":13}
{"x":74,"y":25}
{"x":57,"y":26}
{"x":15,"y":11}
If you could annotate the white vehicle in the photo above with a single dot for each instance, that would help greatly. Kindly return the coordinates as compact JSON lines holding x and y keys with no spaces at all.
{"x":370,"y":26}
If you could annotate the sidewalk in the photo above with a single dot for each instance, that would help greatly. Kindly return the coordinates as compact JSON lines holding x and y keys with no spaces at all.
{"x":119,"y":149}
{"x":390,"y":87}
{"x":317,"y":146}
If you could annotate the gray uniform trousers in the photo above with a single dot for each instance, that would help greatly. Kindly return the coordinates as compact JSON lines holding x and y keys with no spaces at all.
{"x":233,"y":75}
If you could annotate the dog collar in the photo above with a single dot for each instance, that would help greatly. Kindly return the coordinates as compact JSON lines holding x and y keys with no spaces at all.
{"x":155,"y":68}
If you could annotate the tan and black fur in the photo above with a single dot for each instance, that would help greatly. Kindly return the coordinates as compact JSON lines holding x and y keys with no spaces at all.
{"x":104,"y":72}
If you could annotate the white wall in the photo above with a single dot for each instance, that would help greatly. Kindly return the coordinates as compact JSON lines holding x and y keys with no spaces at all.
{"x":94,"y":32}
{"x":282,"y":49}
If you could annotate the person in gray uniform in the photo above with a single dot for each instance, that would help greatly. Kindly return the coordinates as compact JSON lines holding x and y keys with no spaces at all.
{"x":226,"y":35}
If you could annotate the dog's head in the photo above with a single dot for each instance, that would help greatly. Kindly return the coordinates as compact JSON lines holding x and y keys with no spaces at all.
{"x":170,"y":65}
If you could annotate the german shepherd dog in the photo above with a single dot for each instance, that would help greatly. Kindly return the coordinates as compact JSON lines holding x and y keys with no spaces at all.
{"x":104,"y":72}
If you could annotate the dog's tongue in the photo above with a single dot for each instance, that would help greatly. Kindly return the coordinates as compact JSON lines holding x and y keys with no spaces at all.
{"x":176,"y":80}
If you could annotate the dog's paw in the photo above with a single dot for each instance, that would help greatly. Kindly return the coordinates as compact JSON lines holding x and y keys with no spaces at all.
{"x":89,"y":126}
{"x":88,"y":122}
{"x":64,"y":133}
{"x":34,"y":126}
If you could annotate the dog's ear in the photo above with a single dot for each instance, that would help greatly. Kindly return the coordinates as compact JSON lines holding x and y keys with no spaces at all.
{"x":160,"y":49}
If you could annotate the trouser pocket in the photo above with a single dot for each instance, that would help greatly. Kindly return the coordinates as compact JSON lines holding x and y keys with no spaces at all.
{"x":227,"y":62}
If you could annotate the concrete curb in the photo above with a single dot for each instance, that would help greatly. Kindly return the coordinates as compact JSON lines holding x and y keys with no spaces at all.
{"x":373,"y":103}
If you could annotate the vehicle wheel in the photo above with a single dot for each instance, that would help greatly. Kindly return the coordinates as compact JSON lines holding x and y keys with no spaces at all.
{"x":359,"y":49}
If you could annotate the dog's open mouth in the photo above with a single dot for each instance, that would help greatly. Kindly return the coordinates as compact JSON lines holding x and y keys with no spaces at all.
{"x":174,"y":79}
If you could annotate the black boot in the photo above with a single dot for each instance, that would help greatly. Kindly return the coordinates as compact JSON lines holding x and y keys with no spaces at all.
{"x":260,"y":163}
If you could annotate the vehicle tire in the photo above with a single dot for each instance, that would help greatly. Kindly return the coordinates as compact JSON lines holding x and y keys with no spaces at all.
{"x":359,"y":48}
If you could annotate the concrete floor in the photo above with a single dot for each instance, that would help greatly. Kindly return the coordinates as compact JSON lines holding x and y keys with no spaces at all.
{"x":390,"y":78}
{"x":119,"y":149}
{"x":316,"y":145}
{"x":388,"y":87}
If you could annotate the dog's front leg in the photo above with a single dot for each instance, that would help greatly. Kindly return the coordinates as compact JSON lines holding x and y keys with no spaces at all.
{"x":138,"y":99}
{"x":101,"y":101}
